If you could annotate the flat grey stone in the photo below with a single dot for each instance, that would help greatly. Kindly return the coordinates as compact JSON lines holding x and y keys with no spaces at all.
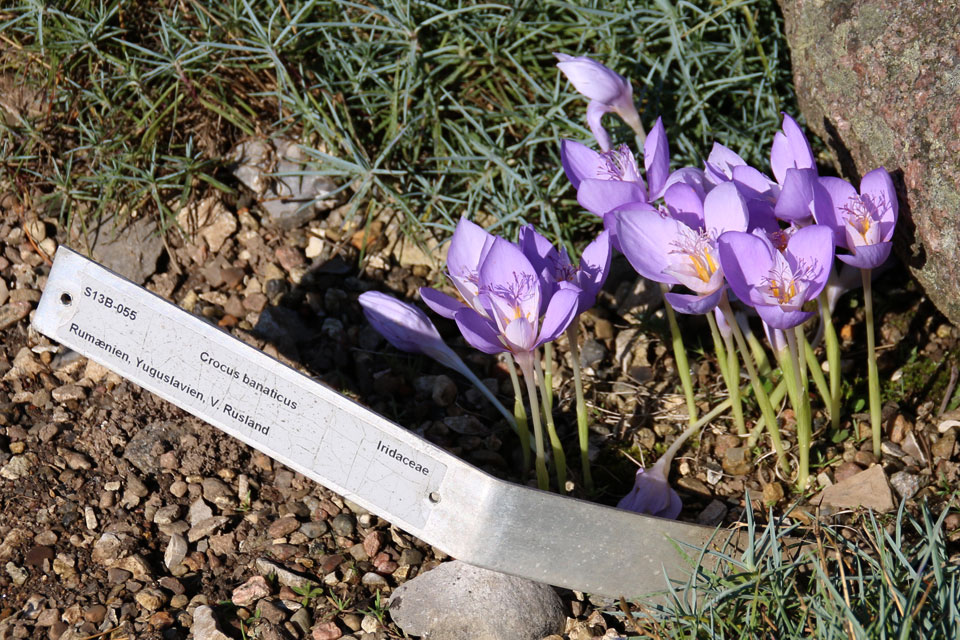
{"x":129,"y":247}
{"x":140,"y":450}
{"x":457,"y":601}
{"x":283,"y":575}
{"x":867,"y":489}
{"x":176,"y":551}
{"x":289,"y":201}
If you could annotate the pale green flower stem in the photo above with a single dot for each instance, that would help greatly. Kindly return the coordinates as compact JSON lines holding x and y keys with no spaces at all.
{"x":559,"y":459}
{"x":583,"y":425}
{"x":525,"y":360}
{"x":832,"y":347}
{"x":730,"y":370}
{"x":759,"y":353}
{"x":680,"y":356}
{"x":519,"y":413}
{"x":547,"y":379}
{"x":776,"y":397}
{"x":766,"y":410}
{"x":800,"y":399}
{"x":816,"y":373}
{"x":873,"y":376}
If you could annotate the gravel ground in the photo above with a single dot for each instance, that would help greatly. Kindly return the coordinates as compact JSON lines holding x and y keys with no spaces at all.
{"x":124,"y":517}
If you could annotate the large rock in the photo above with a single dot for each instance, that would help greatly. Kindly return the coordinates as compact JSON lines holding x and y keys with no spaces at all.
{"x":878,"y":80}
{"x":457,"y":601}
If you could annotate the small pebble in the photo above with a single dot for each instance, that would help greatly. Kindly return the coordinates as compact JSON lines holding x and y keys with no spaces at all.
{"x":314,"y":529}
{"x":891,"y":449}
{"x":282,"y":527}
{"x":444,"y":391}
{"x":250,"y":591}
{"x":326,"y":631}
{"x":906,"y":484}
{"x":343,"y":525}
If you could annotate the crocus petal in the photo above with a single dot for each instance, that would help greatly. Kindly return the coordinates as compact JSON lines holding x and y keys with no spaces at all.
{"x":560,"y":313}
{"x":510,"y":282}
{"x":720,"y":164}
{"x":537,"y":248}
{"x":846,"y":279}
{"x":813,"y":246}
{"x":594,"y":269}
{"x":761,"y":216}
{"x":777,"y":318}
{"x":868,"y":256}
{"x":480,"y":332}
{"x":794,"y":204}
{"x":684,"y":204}
{"x":878,"y":186}
{"x":610,"y":226}
{"x":656,"y":159}
{"x":776,"y":337}
{"x":722,"y":324}
{"x":592,"y":79}
{"x":753,"y":184}
{"x":840,"y":192}
{"x":595,"y":112}
{"x":545,"y":260}
{"x":579,"y":161}
{"x":689,"y":176}
{"x":469,"y":244}
{"x":745,"y":259}
{"x":725,"y":209}
{"x":790,"y":150}
{"x":652,"y":495}
{"x":645,"y":238}
{"x":440,"y":303}
{"x":694,"y":305}
{"x":520,"y":334}
{"x":600,"y":196}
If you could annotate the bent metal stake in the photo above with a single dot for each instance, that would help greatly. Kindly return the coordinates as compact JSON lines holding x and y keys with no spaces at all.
{"x":355,"y":452}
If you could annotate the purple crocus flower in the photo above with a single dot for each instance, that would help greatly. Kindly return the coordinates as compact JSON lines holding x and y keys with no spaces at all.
{"x":682,"y":248}
{"x":777,"y":283}
{"x":511,"y":286}
{"x":863,"y":223}
{"x":468,"y":247}
{"x":407,"y":328}
{"x":607,"y":91}
{"x":555,"y":266}
{"x":604,"y":181}
{"x":651,"y":493}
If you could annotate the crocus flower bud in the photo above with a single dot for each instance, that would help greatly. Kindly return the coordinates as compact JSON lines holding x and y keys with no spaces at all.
{"x":407,"y":327}
{"x":607,"y":91}
{"x":652,"y":494}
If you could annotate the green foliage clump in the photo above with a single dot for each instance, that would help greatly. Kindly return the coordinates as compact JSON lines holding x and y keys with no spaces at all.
{"x":435,"y":110}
